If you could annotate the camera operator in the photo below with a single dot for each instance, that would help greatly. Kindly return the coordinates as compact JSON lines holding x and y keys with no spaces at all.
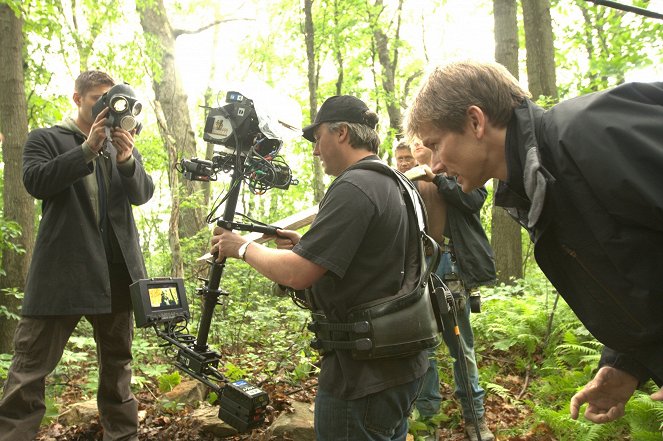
{"x":86,"y":255}
{"x":585,"y":179}
{"x":353,"y":253}
{"x":467,"y":262}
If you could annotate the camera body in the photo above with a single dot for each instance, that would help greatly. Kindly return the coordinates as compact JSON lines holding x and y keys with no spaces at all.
{"x":124,"y":108}
{"x":236,"y":125}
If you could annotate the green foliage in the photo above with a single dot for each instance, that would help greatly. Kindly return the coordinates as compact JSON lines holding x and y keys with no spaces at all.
{"x":52,"y":411}
{"x":645,"y":417}
{"x":171,"y":407}
{"x":233,"y":372}
{"x":604,"y":44}
{"x":4,"y":311}
{"x":5,"y":362}
{"x":212,"y":398}
{"x":9,"y":232}
{"x":168,"y":381}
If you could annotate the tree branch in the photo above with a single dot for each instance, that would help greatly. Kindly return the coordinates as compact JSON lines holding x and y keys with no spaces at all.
{"x":178,"y":32}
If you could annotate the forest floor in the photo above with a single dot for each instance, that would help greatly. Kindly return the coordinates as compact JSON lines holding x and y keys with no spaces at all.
{"x":509,"y":422}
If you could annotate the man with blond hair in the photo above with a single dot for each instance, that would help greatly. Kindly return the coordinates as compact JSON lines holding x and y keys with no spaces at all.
{"x":584,"y":178}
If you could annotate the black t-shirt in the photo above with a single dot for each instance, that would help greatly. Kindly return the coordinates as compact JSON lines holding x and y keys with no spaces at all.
{"x":359,"y":235}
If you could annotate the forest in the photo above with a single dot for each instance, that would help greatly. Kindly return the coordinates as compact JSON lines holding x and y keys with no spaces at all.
{"x":182,"y":56}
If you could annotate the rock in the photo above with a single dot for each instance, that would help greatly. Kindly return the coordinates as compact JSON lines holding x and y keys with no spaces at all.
{"x":188,"y":392}
{"x":79,"y":413}
{"x":297,"y":424}
{"x":208,"y":418}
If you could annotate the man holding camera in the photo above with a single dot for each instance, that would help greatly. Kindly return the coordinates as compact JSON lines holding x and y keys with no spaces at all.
{"x":86,"y":255}
{"x":354,"y":253}
{"x":585,"y":179}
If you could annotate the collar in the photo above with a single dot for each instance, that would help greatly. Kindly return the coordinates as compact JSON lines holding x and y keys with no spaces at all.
{"x":524,"y":192}
{"x":69,"y":124}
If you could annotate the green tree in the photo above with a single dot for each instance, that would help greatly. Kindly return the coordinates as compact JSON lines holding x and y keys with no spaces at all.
{"x":18,"y":206}
{"x":505,"y":233}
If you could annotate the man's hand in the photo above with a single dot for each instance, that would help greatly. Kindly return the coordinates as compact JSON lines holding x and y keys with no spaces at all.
{"x":124,"y":143}
{"x":286,"y":239}
{"x":429,"y":173}
{"x":657,"y":396}
{"x":226,"y":243}
{"x":97,"y":134}
{"x":606,"y":395}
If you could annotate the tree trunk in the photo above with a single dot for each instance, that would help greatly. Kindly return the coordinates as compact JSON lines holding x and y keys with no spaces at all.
{"x":389,"y":62}
{"x":540,"y":51}
{"x":18,"y":206}
{"x":505,"y":233}
{"x":312,"y":72}
{"x":177,"y":131}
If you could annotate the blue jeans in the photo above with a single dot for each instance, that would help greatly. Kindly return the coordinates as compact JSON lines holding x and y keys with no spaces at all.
{"x":428,"y":402}
{"x":381,"y":416}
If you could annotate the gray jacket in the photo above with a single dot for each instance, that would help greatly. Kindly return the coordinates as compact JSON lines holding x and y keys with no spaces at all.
{"x":69,"y":271}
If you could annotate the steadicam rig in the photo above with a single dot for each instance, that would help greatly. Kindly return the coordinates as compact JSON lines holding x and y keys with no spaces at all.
{"x":249,"y":141}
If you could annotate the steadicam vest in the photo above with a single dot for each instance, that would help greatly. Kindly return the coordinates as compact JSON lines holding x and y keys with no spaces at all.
{"x":399,"y":325}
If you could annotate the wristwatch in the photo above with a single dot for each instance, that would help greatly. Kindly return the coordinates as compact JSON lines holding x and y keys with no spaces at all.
{"x":242,"y":250}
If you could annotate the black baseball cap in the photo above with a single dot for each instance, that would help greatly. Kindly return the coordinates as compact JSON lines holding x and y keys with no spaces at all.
{"x":337,"y":108}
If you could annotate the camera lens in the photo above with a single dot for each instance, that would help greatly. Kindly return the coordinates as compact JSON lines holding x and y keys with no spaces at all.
{"x":119,"y":104}
{"x":138,"y":107}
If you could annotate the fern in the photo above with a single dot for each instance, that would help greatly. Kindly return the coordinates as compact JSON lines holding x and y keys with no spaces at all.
{"x":645,"y":416}
{"x":500,"y":391}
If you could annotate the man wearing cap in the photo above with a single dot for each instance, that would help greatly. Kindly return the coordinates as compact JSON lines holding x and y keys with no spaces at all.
{"x":353,"y":253}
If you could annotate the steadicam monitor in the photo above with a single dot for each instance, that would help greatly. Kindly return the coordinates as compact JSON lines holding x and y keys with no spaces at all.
{"x":158,"y":300}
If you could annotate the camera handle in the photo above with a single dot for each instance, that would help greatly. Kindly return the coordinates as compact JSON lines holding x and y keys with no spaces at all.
{"x":211,"y":292}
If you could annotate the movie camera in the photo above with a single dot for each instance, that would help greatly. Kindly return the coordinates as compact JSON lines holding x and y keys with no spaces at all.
{"x":249,"y":141}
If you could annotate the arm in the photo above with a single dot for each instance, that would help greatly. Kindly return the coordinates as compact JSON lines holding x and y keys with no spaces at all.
{"x":48,"y":168}
{"x":136,"y":181}
{"x":282,"y":266}
{"x":453,"y":194}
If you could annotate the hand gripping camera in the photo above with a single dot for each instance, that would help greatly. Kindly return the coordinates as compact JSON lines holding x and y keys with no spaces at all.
{"x":124,"y":108}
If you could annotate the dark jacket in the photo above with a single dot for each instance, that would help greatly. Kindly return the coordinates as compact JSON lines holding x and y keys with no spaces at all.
{"x":591,"y":196}
{"x":474,"y":256}
{"x":69,"y":271}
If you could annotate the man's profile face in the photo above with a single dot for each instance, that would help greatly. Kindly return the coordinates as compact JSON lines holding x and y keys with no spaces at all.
{"x":459,"y":155}
{"x":404,"y":160}
{"x":326,"y":147}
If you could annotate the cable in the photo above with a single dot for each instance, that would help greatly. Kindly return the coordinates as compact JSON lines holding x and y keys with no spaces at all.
{"x":628,"y":8}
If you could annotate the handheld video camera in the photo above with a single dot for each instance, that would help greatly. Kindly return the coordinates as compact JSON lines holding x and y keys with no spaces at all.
{"x":124,"y":108}
{"x":247,"y":137}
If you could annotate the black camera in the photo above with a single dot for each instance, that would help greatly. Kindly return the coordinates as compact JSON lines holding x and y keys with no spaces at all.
{"x":124,"y":108}
{"x":239,"y":126}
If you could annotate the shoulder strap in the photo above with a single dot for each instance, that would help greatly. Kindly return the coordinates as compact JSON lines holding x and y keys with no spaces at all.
{"x":415,"y":203}
{"x":404,"y":183}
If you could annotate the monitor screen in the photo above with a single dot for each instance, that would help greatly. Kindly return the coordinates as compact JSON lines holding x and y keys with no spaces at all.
{"x":164,"y":297}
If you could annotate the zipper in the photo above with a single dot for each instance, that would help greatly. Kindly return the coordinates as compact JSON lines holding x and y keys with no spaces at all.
{"x":628,"y":315}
